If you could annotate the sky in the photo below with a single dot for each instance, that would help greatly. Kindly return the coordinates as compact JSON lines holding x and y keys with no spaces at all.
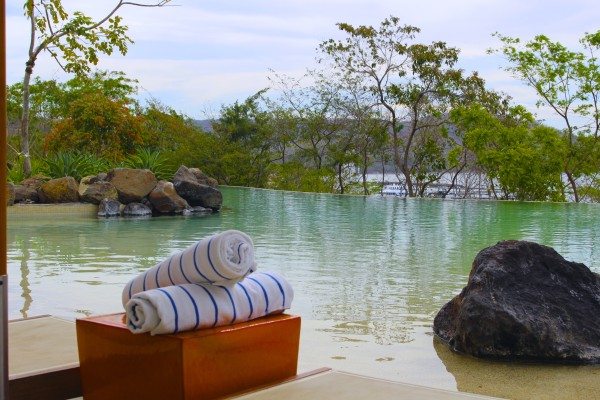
{"x":198,"y":55}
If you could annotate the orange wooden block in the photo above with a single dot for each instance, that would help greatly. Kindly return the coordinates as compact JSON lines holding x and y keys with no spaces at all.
{"x":203,"y":364}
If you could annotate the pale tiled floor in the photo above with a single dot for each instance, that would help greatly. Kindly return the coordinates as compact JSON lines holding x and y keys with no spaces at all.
{"x":50,"y":343}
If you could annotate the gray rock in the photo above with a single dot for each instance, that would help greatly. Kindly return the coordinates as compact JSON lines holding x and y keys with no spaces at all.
{"x":196,"y":194}
{"x":109,"y":208}
{"x":165,"y":199}
{"x":137,"y":210}
{"x":132,"y":184}
{"x":26,"y":194}
{"x":102,"y":177}
{"x":524,"y":301}
{"x":35,"y":181}
{"x":204,"y":179}
{"x":197,"y":211}
{"x":96,"y":192}
{"x":61,"y":190}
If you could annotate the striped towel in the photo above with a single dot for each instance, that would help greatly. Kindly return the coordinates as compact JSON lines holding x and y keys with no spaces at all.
{"x":194,"y":306}
{"x":219,"y":258}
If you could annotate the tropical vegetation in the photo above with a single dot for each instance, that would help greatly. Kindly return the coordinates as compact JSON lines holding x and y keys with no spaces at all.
{"x":381,"y":99}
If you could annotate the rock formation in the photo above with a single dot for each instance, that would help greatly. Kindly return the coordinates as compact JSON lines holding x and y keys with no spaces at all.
{"x":524,"y":301}
{"x":197,"y":194}
{"x":61,"y":190}
{"x":132,"y":184}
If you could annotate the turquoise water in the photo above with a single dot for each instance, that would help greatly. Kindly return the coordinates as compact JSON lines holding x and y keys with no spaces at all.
{"x":369,"y":273}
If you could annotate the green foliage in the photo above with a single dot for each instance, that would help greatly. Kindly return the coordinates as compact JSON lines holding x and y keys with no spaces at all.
{"x":525,"y":160}
{"x":591,"y":192}
{"x":153,"y":160}
{"x":407,"y":79}
{"x":97,"y":125}
{"x":568,"y":83}
{"x":295,"y":176}
{"x":73,"y":164}
{"x":15,"y":173}
{"x":243,"y":150}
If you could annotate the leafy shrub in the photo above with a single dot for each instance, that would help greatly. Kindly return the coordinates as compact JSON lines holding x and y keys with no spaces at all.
{"x":296,"y":177}
{"x":73,"y":164}
{"x":153,"y":160}
{"x":15,"y":172}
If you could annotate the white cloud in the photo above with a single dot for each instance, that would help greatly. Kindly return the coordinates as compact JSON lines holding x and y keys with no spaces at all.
{"x":217,"y":51}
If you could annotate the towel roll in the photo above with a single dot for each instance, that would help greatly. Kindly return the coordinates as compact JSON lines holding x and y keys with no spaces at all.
{"x":194,"y":306}
{"x":220,"y":258}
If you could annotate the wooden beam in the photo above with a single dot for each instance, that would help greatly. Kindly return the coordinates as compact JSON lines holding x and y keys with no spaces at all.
{"x":3,"y":277}
{"x":3,"y":133}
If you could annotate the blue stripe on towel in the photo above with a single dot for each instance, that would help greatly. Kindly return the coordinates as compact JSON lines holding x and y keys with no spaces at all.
{"x":156,"y":277}
{"x":130,"y":287}
{"x":264,"y":292}
{"x":249,"y":299}
{"x":181,"y":268}
{"x":278,"y":284}
{"x":210,"y":261}
{"x":232,"y":303}
{"x":174,"y":309}
{"x":169,"y":270}
{"x":239,"y":254}
{"x":144,"y":281}
{"x":214,"y":304}
{"x":196,"y":265}
{"x":195,"y":306}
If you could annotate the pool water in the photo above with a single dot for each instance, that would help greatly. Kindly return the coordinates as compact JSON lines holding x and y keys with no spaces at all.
{"x":369,"y":274}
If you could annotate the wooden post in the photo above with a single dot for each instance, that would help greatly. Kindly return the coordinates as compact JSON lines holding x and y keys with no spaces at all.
{"x":3,"y":274}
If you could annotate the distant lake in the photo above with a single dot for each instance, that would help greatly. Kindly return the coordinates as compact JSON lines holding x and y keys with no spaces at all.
{"x":369,"y":274}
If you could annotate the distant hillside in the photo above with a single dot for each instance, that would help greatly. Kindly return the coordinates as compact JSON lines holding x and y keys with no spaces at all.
{"x":204,"y":124}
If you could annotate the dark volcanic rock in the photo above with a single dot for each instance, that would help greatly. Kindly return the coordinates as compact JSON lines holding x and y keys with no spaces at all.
{"x":204,"y":179}
{"x":137,"y":210}
{"x":109,"y":208}
{"x":523,"y":301}
{"x":26,"y":194}
{"x":197,"y":194}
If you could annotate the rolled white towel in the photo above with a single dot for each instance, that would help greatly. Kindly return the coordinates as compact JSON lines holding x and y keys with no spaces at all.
{"x":218,"y":258}
{"x":194,"y":306}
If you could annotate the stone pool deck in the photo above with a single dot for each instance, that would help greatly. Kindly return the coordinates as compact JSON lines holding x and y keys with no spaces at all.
{"x":43,"y":363}
{"x":72,"y":209}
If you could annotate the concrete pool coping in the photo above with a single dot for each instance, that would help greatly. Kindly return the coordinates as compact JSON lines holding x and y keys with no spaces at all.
{"x":72,"y":209}
{"x":44,"y":362}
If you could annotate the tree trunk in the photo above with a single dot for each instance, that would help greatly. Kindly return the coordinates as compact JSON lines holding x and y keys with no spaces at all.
{"x":573,"y":186}
{"x":25,"y":119}
{"x":340,"y":180}
{"x":364,"y":173}
{"x":409,"y":183}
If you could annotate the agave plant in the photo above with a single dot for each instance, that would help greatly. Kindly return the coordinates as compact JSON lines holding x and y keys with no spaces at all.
{"x":153,"y":160}
{"x":73,"y":164}
{"x":15,"y":173}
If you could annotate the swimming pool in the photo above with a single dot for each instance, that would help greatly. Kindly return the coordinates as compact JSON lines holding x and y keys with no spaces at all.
{"x":369,"y":274}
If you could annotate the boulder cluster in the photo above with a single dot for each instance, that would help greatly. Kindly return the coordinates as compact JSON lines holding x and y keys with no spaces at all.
{"x":127,"y":192}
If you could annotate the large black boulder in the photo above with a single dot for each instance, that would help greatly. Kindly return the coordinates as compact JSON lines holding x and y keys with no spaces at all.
{"x":195,"y":193}
{"x":524,"y":301}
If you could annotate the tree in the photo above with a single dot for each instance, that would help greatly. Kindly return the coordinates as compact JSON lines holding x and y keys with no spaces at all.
{"x":415,"y":83}
{"x":568,"y":82}
{"x":244,"y":138}
{"x":97,"y":125}
{"x":524,"y":158}
{"x":378,"y":55}
{"x":77,"y":40}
